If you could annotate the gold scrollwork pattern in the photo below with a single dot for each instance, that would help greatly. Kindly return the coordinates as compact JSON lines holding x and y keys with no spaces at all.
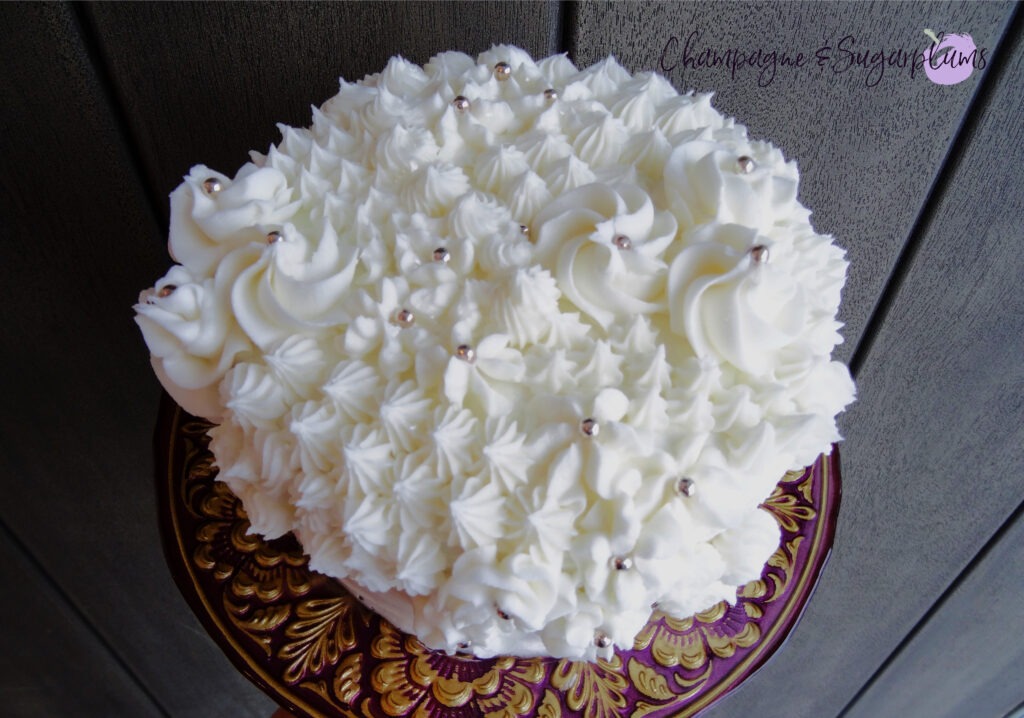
{"x":316,"y":645}
{"x":413,"y":680}
{"x":596,"y":689}
{"x":323,"y":630}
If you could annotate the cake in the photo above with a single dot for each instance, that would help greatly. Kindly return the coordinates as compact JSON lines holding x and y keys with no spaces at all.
{"x":515,"y":350}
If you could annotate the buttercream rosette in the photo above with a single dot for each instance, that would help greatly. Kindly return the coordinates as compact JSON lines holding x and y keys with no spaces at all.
{"x":515,"y":354}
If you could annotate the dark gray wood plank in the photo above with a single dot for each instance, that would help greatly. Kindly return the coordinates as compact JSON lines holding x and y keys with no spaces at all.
{"x":966,"y":661}
{"x":79,"y":399}
{"x":51,"y":664}
{"x":207,"y":82}
{"x":933,"y":459}
{"x":868,"y":144}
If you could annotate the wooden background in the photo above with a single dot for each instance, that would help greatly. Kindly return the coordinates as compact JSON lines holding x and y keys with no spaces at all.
{"x":106,"y":106}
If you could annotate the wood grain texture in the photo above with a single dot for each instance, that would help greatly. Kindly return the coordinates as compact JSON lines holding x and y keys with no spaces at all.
{"x":932,"y":462}
{"x":51,"y":664}
{"x":962,"y":313}
{"x":78,"y":394}
{"x":966,"y":661}
{"x":206,"y":83}
{"x":869,"y":141}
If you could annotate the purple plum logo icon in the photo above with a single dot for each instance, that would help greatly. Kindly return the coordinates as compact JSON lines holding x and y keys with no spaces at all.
{"x":950,"y":59}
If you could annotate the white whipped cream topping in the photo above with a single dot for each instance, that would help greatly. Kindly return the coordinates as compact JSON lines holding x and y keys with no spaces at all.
{"x":467,"y":352}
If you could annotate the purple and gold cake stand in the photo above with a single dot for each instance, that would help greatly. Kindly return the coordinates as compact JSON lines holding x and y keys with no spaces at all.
{"x":311,"y":646}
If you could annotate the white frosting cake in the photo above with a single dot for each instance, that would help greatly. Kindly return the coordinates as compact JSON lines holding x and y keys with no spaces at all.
{"x":515,"y":350}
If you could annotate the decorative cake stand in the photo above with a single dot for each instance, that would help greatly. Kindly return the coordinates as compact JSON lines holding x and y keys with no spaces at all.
{"x":312,"y":647}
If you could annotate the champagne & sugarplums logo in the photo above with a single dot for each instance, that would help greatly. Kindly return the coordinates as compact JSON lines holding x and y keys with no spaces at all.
{"x":948,"y":59}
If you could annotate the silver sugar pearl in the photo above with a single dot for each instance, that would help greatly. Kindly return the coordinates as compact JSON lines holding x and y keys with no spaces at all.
{"x":503,"y":71}
{"x":465,"y":353}
{"x":621,"y":563}
{"x":590,"y":427}
{"x":759,"y":254}
{"x":524,"y":229}
{"x":601,"y":639}
{"x":212,"y":185}
{"x":274,"y":237}
{"x":166,"y":290}
{"x":622,"y":241}
{"x":441,"y":255}
{"x":463,"y":646}
{"x":746,"y":164}
{"x":551,"y":94}
{"x":501,"y":614}
{"x":460,"y":103}
{"x":404,"y":318}
{"x":686,"y":486}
